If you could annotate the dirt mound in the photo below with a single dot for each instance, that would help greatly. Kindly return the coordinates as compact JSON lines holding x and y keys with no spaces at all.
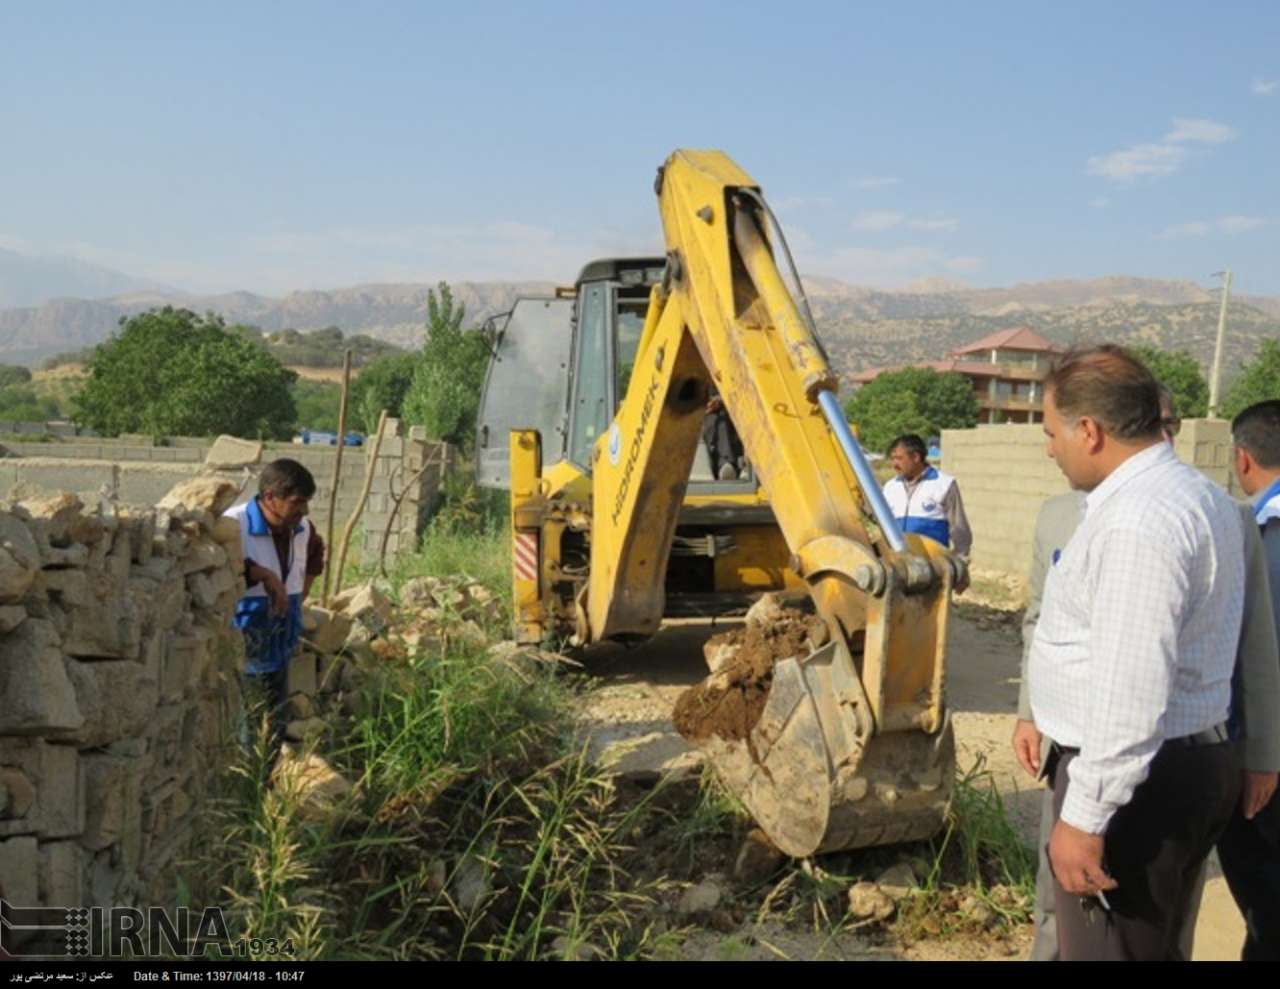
{"x":729,"y":703}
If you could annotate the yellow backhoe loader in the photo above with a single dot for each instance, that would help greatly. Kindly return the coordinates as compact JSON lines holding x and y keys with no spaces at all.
{"x":593,"y":417}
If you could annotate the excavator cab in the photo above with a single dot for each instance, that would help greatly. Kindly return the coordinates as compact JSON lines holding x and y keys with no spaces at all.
{"x":561,"y":367}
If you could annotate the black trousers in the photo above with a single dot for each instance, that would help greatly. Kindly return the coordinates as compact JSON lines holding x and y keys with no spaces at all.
{"x":1250,"y":854}
{"x":721,"y":439}
{"x":264,"y":694}
{"x":1154,"y":848}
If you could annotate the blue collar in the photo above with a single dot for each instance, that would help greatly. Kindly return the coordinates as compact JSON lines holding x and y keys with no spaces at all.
{"x":930,"y":473}
{"x":1265,"y":498}
{"x":258,"y":525}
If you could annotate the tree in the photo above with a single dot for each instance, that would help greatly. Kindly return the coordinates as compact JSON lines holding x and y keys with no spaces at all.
{"x":1180,"y":373}
{"x":381,"y":385}
{"x":171,"y":372}
{"x":14,"y":374}
{"x":318,"y":404}
{"x":1258,"y":381}
{"x":21,"y":403}
{"x":913,"y":400}
{"x":445,"y":393}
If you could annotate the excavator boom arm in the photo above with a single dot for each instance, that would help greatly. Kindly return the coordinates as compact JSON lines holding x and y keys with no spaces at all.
{"x":725,"y":319}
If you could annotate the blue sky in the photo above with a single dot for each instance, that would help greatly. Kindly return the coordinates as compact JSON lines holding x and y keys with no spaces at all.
{"x":283,"y":146}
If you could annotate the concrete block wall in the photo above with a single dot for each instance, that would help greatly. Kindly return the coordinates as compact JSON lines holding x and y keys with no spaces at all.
{"x":1005,"y":475}
{"x":130,"y":471}
{"x":118,"y":683}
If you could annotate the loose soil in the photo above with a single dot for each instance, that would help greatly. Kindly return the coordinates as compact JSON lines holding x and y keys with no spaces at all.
{"x":729,"y":703}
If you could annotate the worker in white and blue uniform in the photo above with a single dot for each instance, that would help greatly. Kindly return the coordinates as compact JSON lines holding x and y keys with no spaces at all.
{"x":1249,"y":849}
{"x":283,"y":555}
{"x":924,"y":500}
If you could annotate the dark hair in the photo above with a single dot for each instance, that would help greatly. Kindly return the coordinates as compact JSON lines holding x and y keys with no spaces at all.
{"x":1110,"y":385}
{"x":1257,"y":430}
{"x":286,"y":478}
{"x":911,"y":443}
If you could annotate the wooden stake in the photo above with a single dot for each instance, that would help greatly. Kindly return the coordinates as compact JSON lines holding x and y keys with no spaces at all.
{"x":337,"y":477}
{"x":370,"y":464}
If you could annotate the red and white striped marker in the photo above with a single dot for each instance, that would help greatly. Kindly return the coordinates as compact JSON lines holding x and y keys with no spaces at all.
{"x":525,"y":554}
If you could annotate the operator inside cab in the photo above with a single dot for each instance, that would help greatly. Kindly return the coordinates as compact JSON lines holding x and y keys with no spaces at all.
{"x":924,"y":500}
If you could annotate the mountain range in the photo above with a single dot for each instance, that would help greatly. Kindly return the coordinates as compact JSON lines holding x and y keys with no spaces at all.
{"x":860,"y":326}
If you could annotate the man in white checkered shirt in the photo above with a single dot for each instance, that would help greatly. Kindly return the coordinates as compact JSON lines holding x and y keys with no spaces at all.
{"x":1130,"y":668}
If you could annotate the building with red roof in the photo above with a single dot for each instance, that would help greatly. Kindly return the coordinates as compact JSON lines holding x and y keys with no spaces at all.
{"x":1007,"y":369}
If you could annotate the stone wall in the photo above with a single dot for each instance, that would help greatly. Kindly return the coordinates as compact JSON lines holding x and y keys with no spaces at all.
{"x":1005,"y":476}
{"x":136,"y":473}
{"x":118,"y":680}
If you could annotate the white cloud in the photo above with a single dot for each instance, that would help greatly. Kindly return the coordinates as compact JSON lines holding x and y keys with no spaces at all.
{"x":876,"y":182}
{"x":1141,"y":159}
{"x":1264,"y":87}
{"x":1163,"y":157}
{"x":890,"y":268}
{"x":286,"y":260}
{"x":1202,"y":228}
{"x":1239,"y":224}
{"x":9,"y":242}
{"x":1197,"y":228}
{"x":938,"y":224}
{"x":878,"y":220}
{"x":1200,"y":131}
{"x":1099,"y":202}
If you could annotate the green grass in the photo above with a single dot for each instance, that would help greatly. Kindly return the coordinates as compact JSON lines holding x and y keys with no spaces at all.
{"x":717,"y":813}
{"x":476,"y":828}
{"x":979,"y":854}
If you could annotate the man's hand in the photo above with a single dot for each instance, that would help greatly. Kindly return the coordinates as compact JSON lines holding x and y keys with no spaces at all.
{"x":1258,"y":790}
{"x":962,"y":584}
{"x":276,"y":593}
{"x":1076,"y":859}
{"x":1026,"y":746}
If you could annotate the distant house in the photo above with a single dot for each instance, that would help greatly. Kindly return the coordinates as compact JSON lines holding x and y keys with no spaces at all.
{"x":1006,"y":369}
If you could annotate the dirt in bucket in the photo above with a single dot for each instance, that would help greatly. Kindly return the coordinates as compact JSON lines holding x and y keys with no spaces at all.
{"x":729,"y":703}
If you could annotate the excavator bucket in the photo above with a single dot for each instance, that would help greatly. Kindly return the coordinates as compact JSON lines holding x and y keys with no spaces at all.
{"x":791,"y":739}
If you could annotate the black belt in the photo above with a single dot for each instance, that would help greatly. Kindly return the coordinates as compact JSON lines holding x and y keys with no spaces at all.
{"x":1210,"y":736}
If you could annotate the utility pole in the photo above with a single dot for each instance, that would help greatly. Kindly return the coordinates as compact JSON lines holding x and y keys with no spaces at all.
{"x":1216,"y":375}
